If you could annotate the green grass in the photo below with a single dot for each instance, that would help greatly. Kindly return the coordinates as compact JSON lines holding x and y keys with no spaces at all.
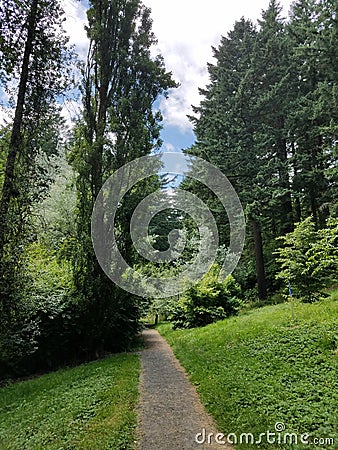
{"x":261,"y":368}
{"x":91,"y":406}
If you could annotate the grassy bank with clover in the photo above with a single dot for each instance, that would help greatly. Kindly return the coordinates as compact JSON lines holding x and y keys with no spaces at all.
{"x":261,"y":368}
{"x":91,"y":406}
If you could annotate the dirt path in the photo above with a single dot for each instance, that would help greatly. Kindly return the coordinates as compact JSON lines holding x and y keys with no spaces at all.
{"x":170,"y":412}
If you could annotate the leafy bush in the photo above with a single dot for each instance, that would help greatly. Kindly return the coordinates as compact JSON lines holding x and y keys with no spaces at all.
{"x":309,"y":259}
{"x":207,"y":301}
{"x":52,"y":326}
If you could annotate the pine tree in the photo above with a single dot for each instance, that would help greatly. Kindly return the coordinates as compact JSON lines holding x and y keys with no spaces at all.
{"x":275,"y":90}
{"x":227,"y":125}
{"x":313,"y":111}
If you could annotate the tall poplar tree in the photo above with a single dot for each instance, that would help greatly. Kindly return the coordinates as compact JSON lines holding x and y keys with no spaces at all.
{"x":121,"y":82}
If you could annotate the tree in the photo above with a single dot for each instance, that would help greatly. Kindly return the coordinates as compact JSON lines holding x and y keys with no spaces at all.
{"x":120,"y":84}
{"x":308,"y":258}
{"x":275,"y":90}
{"x":34,"y":55}
{"x":312,"y":115}
{"x":269,"y":123}
{"x":227,"y":126}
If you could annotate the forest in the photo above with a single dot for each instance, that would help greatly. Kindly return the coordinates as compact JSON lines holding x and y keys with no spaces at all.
{"x":268,"y":120}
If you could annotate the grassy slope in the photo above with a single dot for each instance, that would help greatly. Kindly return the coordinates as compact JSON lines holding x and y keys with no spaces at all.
{"x":261,"y":368}
{"x":91,"y":406}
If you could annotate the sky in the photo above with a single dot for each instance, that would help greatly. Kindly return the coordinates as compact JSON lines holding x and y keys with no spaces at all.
{"x":186,"y":31}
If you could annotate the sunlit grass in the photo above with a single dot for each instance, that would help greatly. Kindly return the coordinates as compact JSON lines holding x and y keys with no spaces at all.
{"x":91,"y":407}
{"x":262,"y":367}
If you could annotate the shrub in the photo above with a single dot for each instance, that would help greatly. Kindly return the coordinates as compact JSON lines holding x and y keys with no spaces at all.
{"x":52,"y":326}
{"x":207,"y":301}
{"x":309,"y":259}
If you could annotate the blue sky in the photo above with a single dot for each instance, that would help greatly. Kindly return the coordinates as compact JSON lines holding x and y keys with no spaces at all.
{"x":174,"y":139}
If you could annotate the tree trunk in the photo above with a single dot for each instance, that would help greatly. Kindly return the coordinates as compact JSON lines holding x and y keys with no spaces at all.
{"x":287,"y":219}
{"x":261,"y":282}
{"x":8,"y":190}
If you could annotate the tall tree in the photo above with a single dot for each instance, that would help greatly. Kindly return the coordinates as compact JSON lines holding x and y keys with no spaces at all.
{"x":313,"y":112}
{"x":227,"y":125}
{"x":275,"y":90}
{"x":33,"y":58}
{"x":121,"y":81}
{"x":242,"y":126}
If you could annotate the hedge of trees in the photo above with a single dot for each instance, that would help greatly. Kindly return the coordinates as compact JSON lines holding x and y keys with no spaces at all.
{"x":56,"y":303}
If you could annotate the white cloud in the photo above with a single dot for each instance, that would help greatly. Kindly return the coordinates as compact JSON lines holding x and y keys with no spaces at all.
{"x":70,"y":111}
{"x":174,"y":163}
{"x":169,"y":147}
{"x":6,"y":115}
{"x":75,"y":12}
{"x":186,"y":30}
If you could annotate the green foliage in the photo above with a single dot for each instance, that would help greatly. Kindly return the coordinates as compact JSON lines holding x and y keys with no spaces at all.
{"x":257,"y":369}
{"x":118,"y":124}
{"x":44,"y":315}
{"x":54,"y":325}
{"x":87,"y":407}
{"x":324,"y":252}
{"x":49,"y":275}
{"x":55,"y":215}
{"x":308,"y":258}
{"x":36,"y":64}
{"x":207,"y":301}
{"x":270,"y":124}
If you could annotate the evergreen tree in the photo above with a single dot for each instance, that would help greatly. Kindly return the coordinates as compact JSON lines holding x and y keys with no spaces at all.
{"x":275,"y":90}
{"x":268,"y":120}
{"x":227,"y":125}
{"x":312,"y":114}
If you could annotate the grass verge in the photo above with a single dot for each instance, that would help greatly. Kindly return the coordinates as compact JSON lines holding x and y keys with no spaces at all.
{"x":92,"y":406}
{"x":261,"y":368}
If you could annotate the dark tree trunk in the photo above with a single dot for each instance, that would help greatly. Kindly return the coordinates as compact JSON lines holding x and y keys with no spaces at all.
{"x":8,"y":190}
{"x":261,"y":282}
{"x":298,"y":209}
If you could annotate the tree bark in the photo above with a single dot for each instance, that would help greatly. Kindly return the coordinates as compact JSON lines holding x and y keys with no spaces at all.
{"x":8,"y":190}
{"x":261,"y":281}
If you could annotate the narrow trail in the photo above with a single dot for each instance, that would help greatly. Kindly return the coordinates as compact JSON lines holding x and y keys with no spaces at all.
{"x":170,"y":411}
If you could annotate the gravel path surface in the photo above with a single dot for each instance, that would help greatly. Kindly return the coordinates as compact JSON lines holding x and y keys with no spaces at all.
{"x":170,"y":412}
